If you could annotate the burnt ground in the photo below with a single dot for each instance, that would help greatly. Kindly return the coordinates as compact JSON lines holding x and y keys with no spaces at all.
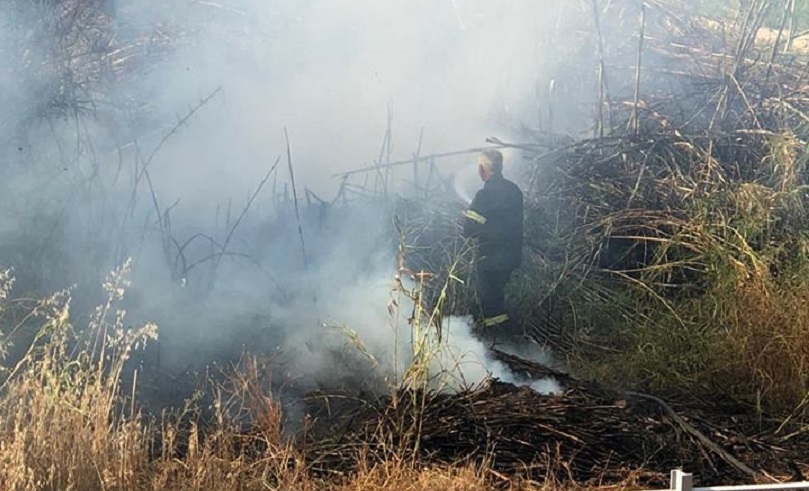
{"x":585,"y":435}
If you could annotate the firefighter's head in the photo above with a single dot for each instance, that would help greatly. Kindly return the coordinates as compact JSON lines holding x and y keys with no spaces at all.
{"x":490,"y":163}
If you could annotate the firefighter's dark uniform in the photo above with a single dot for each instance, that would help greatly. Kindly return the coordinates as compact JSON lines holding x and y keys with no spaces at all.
{"x":495,"y":219}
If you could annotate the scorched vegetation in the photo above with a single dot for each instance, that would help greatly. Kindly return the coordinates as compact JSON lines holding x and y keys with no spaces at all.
{"x":666,"y":271}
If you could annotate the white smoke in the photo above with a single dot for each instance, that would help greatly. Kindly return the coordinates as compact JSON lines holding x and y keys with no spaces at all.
{"x":358,"y":318}
{"x":460,"y":70}
{"x":464,"y":361}
{"x":464,"y":185}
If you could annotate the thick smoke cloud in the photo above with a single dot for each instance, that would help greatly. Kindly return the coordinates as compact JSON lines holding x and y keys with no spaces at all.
{"x":328,"y":71}
{"x":331,"y":74}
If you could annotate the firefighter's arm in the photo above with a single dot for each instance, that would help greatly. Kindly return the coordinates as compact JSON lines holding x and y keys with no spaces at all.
{"x":474,"y":217}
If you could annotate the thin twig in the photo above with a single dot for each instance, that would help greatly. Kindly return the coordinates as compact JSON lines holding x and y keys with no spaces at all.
{"x":295,"y":199}
{"x":781,"y":28}
{"x":388,"y":168}
{"x":792,"y":36}
{"x":416,"y":159}
{"x":379,"y":166}
{"x":635,"y":116}
{"x":180,"y":123}
{"x":223,"y":253}
{"x":375,"y":168}
{"x":707,"y":442}
{"x":603,"y":94}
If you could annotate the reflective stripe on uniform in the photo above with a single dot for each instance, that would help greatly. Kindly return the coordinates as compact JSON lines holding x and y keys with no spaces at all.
{"x":473,"y":215}
{"x":496,"y":320}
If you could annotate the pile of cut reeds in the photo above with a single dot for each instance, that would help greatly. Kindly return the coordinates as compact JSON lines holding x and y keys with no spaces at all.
{"x":586,"y":434}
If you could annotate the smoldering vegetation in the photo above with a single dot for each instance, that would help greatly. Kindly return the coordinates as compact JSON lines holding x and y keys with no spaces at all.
{"x":159,"y":133}
{"x":287,"y":179}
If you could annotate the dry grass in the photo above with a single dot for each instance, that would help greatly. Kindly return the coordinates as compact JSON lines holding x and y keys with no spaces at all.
{"x":66,"y":425}
{"x":62,"y":426}
{"x":764,"y":356}
{"x":685,"y":266}
{"x":396,"y":476}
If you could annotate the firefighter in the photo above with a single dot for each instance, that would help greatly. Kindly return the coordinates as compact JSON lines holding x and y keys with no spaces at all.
{"x":495,"y":220}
